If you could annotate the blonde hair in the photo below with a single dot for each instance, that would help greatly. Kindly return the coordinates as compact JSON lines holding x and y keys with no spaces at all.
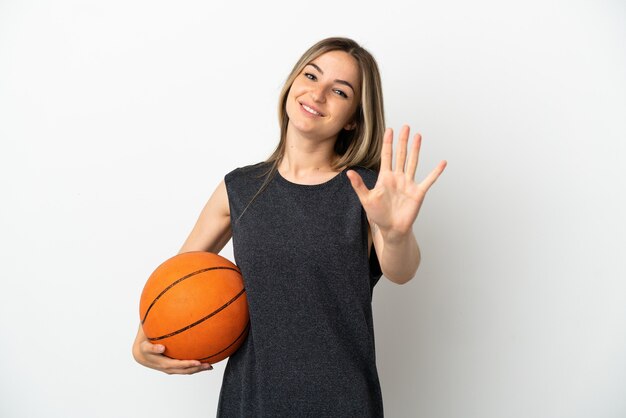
{"x":360,"y":146}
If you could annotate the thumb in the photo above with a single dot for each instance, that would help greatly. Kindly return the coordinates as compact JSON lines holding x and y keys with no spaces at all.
{"x":157,"y":348}
{"x":358,"y":185}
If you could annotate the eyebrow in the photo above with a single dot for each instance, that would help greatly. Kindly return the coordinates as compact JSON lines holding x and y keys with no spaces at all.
{"x":336,"y":80}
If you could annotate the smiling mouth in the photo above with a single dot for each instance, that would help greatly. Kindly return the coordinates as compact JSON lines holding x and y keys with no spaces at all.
{"x":310,"y":110}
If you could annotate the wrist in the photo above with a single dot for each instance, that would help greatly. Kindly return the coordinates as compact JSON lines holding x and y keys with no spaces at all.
{"x":394,"y":237}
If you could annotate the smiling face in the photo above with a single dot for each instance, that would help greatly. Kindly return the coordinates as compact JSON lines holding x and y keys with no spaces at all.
{"x":325,"y":95}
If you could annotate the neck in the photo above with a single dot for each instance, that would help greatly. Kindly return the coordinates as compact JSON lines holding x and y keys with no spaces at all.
{"x":306,"y":156}
{"x":307,"y":159}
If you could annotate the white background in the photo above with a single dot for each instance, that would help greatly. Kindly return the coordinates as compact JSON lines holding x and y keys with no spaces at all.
{"x":119,"y":118}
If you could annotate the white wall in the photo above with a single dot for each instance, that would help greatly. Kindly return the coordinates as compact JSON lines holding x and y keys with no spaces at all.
{"x":118,"y":118}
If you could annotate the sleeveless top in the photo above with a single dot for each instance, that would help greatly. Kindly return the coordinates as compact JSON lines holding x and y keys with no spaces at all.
{"x":302,"y":251}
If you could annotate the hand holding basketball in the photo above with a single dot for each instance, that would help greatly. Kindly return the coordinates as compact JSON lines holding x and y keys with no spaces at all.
{"x":151,"y":355}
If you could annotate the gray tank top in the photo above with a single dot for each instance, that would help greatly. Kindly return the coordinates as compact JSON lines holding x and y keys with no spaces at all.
{"x":302,"y":251}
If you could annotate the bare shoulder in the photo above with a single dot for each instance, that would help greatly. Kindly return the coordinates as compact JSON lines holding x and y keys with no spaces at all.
{"x":217,"y":205}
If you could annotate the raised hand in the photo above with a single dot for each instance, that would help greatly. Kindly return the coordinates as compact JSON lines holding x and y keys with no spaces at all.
{"x":395,"y":200}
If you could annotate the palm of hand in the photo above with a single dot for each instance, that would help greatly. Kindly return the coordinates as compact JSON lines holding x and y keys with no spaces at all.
{"x":394,"y":202}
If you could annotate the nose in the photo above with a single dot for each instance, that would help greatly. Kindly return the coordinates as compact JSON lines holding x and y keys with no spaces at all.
{"x":318,"y":94}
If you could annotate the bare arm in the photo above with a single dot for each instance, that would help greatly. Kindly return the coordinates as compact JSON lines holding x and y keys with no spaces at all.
{"x":400,"y":258}
{"x":212,"y":229}
{"x":210,"y":233}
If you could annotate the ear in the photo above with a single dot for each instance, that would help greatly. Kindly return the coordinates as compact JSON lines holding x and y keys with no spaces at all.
{"x":350,"y":126}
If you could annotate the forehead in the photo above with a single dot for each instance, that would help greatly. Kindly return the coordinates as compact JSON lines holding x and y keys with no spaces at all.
{"x":339,"y":65}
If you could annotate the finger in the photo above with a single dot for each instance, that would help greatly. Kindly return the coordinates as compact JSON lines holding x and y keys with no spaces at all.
{"x":182,"y":364}
{"x":149,"y":348}
{"x":403,"y":140}
{"x":434,"y":175}
{"x":162,"y":361}
{"x":173,"y":366}
{"x":387,"y":150}
{"x":189,"y":370}
{"x":414,"y":157}
{"x":358,"y":185}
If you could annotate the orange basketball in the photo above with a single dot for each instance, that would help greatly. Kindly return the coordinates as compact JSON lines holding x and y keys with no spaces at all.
{"x":195,"y":305}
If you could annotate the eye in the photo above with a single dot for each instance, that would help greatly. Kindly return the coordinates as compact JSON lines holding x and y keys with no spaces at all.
{"x":310,"y":76}
{"x":341,"y":93}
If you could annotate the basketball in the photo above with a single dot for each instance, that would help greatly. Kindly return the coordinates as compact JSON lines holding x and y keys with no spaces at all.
{"x":195,"y":305}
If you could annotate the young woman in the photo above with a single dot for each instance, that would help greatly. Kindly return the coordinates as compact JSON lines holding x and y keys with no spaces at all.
{"x":314,"y":227}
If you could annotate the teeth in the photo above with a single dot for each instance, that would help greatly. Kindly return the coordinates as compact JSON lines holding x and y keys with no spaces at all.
{"x":308,"y":109}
